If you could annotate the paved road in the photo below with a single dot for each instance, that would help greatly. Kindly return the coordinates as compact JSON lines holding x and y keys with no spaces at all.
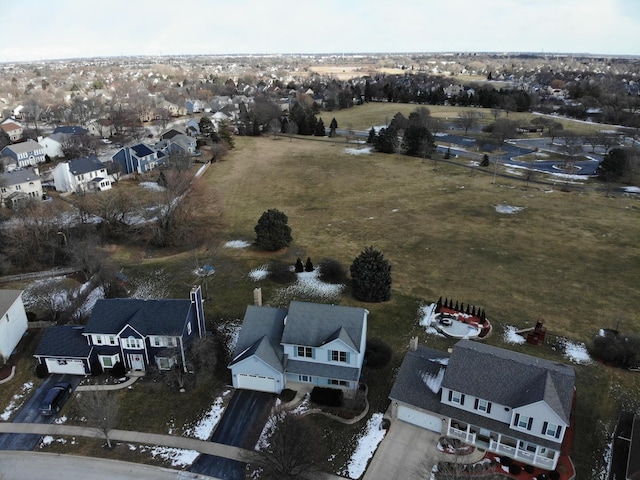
{"x":45,"y":466}
{"x":29,"y":413}
{"x":240,"y":426}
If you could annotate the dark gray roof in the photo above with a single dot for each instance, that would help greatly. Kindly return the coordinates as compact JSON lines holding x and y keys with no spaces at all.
{"x":71,"y":130}
{"x":317,"y":369}
{"x":316,"y":324}
{"x":79,"y":166}
{"x":169,"y":134}
{"x":513,"y":379}
{"x":412,"y":382}
{"x":260,"y":335}
{"x":148,"y":317}
{"x":17,"y":177}
{"x":63,"y":341}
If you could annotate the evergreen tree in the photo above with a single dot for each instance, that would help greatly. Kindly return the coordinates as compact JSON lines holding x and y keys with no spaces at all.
{"x":224,"y":131}
{"x":371,"y":276}
{"x":320,"y":131}
{"x":299,"y":267}
{"x":272,"y":231}
{"x":333,"y":126}
{"x":485,"y":161}
{"x":308,"y":266}
{"x":372,"y":135}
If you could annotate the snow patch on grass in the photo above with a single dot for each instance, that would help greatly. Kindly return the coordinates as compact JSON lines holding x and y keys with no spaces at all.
{"x":576,"y":352}
{"x":426,"y":315}
{"x":237,"y":244}
{"x":153,"y":186}
{"x":508,"y":209}
{"x":510,"y":335}
{"x":16,"y":401}
{"x":309,"y":285}
{"x":367,"y":445}
{"x":358,"y":151}
{"x":204,"y":427}
{"x":259,"y":273}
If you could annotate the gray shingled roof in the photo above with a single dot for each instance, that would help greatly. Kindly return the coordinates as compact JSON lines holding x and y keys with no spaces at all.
{"x":149,"y":317}
{"x":63,"y":341}
{"x":316,"y":324}
{"x":260,"y":336}
{"x":23,"y":147}
{"x":513,"y":380}
{"x":141,"y":150}
{"x":78,"y":166}
{"x":17,"y":177}
{"x":417,"y":366}
{"x":8,"y":298}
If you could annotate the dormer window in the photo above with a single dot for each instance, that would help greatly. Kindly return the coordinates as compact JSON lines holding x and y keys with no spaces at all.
{"x":482,"y":405}
{"x":522,"y":421}
{"x":305,"y":352}
{"x":456,"y":397}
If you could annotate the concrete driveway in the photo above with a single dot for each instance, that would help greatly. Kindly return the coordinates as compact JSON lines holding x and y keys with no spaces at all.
{"x":408,"y":453}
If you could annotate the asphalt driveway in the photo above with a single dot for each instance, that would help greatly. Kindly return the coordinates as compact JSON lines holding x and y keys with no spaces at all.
{"x":240,"y":426}
{"x":29,"y":413}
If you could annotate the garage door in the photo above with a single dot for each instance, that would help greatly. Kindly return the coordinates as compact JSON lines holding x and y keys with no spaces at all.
{"x":257,"y":382}
{"x":421,"y":419}
{"x":74,"y":367}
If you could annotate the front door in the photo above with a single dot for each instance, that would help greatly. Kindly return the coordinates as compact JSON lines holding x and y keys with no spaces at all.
{"x":136,"y":362}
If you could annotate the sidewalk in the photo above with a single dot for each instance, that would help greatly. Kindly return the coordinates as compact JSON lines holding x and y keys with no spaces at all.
{"x":115,"y":386}
{"x":202,"y":446}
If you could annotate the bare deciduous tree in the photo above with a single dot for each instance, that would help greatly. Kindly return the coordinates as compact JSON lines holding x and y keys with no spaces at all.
{"x":100,"y":409}
{"x":289,"y":454}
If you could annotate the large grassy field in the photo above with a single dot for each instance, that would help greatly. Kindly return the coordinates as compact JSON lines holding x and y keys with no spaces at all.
{"x":363,"y":117}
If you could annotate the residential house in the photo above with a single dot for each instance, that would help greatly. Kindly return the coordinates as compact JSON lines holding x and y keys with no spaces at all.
{"x":13,"y":322}
{"x":315,"y":344}
{"x":138,"y":159}
{"x":52,"y":144}
{"x":81,"y":175}
{"x":138,"y":333}
{"x":25,"y":154}
{"x":501,"y":401}
{"x":194,"y":106}
{"x":193,"y":127}
{"x":13,"y":129}
{"x":20,"y":185}
{"x":175,"y":142}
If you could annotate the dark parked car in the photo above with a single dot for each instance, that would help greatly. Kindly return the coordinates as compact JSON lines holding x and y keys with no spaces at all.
{"x":54,"y":398}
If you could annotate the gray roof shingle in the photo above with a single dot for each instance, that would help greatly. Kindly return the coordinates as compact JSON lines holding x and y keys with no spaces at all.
{"x":513,"y":379}
{"x":16,"y":177}
{"x":260,"y":336}
{"x":63,"y":341}
{"x":149,"y":317}
{"x":79,"y":166}
{"x":316,"y":324}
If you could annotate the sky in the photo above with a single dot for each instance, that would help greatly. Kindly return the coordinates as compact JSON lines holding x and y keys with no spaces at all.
{"x":53,"y":29}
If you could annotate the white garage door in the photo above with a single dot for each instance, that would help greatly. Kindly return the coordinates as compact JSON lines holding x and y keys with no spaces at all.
{"x":74,"y":367}
{"x":421,"y":419}
{"x":257,"y":382}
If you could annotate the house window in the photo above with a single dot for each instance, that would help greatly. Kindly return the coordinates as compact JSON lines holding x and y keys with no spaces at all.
{"x":522,"y":421}
{"x":171,"y":342}
{"x":456,"y":397}
{"x":98,"y":339}
{"x":165,"y":363}
{"x":305,"y":352}
{"x":341,"y":383}
{"x":551,"y":430}
{"x":529,"y":447}
{"x":112,"y":340}
{"x":132,"y":342}
{"x":305,"y":378}
{"x":157,"y":342}
{"x":108,"y":361}
{"x":338,"y":356}
{"x":482,"y":405}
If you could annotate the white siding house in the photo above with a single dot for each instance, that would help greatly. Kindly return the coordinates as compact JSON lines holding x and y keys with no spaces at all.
{"x":13,"y":322}
{"x":498,"y":400}
{"x":81,"y":175}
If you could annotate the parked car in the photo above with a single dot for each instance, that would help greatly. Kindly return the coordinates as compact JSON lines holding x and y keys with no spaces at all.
{"x":55,"y":397}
